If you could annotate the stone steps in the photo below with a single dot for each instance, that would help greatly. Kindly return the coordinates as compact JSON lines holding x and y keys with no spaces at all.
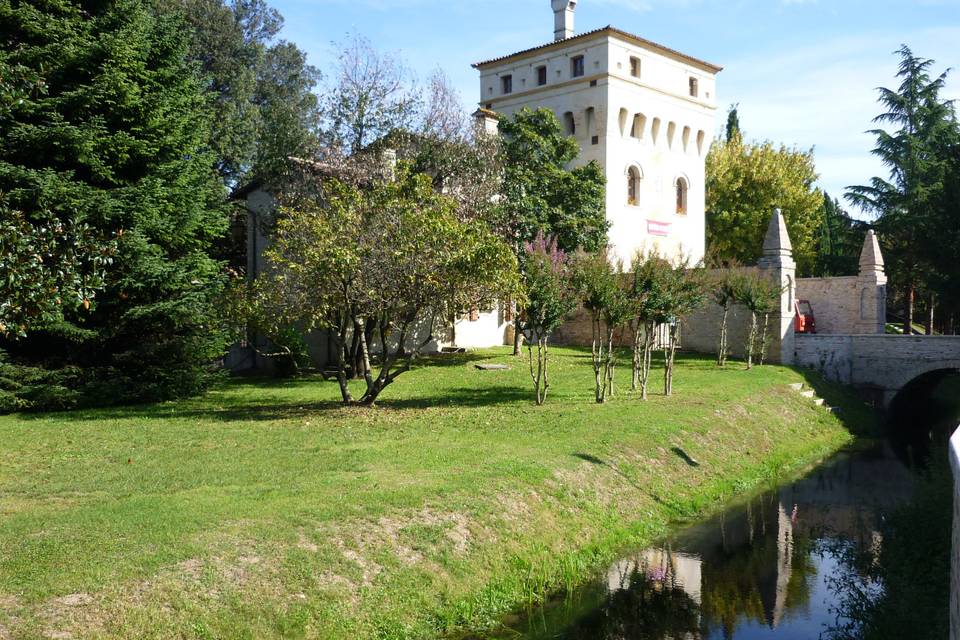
{"x":812,"y":395}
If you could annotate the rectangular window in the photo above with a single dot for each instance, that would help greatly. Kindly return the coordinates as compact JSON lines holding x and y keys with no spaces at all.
{"x":541,"y":76}
{"x":576,"y":66}
{"x":595,"y":140}
{"x":635,"y":67}
{"x":506,"y":83}
{"x":694,"y":87}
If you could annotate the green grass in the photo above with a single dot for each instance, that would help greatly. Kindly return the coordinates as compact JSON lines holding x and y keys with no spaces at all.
{"x":266,"y":510}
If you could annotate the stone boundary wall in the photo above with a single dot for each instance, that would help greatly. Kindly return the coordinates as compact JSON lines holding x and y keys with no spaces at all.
{"x":835,"y":301}
{"x":955,"y":574}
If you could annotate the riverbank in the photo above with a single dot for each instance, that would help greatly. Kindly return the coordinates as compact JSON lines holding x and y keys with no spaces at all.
{"x":265,"y":510}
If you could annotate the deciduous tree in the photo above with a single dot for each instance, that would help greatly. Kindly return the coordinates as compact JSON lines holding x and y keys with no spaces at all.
{"x":745,"y":180}
{"x":391,"y":256}
{"x":604,"y":294}
{"x":549,"y":297}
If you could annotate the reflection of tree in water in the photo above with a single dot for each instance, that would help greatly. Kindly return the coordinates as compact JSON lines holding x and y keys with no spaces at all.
{"x":913,"y":567}
{"x":759,"y":571}
{"x":653,"y":607}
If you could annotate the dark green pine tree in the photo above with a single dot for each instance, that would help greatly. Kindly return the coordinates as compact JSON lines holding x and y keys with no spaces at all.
{"x":909,"y":204}
{"x":116,"y":140}
{"x":841,"y":240}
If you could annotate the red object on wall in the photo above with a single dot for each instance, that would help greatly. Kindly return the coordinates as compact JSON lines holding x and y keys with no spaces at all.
{"x":657,"y":228}
{"x":804,"y":322}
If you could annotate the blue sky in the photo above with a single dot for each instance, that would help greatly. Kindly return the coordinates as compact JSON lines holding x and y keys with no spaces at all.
{"x":804,"y":72}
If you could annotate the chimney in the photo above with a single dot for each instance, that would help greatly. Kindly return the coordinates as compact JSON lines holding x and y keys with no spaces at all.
{"x":563,"y":18}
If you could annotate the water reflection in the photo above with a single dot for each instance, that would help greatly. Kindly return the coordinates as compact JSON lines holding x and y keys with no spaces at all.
{"x":761,"y":569}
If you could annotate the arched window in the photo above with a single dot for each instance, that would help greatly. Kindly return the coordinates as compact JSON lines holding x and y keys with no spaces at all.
{"x":655,"y":130}
{"x":624,"y":114}
{"x":569,"y":123}
{"x":682,"y":189}
{"x":639,"y":124}
{"x":633,"y":186}
{"x":671,"y":131}
{"x":701,"y":136}
{"x":686,"y":138}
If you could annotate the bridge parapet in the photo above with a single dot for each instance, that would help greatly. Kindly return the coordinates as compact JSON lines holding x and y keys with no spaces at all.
{"x":885,"y":363}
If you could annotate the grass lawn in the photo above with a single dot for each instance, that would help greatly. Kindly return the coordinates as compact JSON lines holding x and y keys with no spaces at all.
{"x":266,"y":510}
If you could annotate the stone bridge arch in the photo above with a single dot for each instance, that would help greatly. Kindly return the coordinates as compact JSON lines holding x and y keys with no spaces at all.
{"x":909,"y":380}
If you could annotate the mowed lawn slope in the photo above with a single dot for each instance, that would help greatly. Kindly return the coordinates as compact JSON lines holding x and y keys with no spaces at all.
{"x":266,"y":510}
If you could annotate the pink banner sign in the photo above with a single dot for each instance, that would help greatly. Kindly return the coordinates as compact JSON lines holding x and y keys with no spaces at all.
{"x":657,"y":228}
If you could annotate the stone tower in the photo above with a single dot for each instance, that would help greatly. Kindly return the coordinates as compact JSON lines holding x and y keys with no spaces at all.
{"x":777,"y":262}
{"x":643,"y":111}
{"x":872,"y":288}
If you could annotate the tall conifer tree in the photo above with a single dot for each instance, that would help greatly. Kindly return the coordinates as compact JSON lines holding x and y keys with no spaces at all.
{"x":116,"y":140}
{"x":909,"y":203}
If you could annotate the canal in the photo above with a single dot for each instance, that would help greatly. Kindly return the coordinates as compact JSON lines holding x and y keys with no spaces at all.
{"x":857,"y":547}
{"x":767,"y":567}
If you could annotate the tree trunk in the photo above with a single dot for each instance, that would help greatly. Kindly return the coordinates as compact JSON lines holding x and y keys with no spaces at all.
{"x":669,"y":356}
{"x":598,"y":364}
{"x":608,"y":366}
{"x":649,"y":337}
{"x":722,"y":348}
{"x":342,"y":353}
{"x":764,"y":339}
{"x":637,"y":356}
{"x":908,"y":322}
{"x":539,"y":374}
{"x":751,"y":339}
{"x":931,"y":304}
{"x":517,"y":336}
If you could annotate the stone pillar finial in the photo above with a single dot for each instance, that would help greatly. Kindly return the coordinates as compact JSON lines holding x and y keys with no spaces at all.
{"x":871,"y":259}
{"x":872,"y":288}
{"x":777,"y":241}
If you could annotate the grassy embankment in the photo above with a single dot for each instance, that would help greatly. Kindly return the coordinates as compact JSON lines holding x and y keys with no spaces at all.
{"x":266,"y":510}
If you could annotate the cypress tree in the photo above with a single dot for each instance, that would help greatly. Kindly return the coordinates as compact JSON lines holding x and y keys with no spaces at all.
{"x":114,"y":137}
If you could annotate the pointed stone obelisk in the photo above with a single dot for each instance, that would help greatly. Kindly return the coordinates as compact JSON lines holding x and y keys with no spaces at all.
{"x":871,"y":288}
{"x":777,"y":262}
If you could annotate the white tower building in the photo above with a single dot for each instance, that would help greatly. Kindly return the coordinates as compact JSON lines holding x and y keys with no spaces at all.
{"x":644,"y":112}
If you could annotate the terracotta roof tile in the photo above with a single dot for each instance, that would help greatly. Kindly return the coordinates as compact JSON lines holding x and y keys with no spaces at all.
{"x":610,"y":30}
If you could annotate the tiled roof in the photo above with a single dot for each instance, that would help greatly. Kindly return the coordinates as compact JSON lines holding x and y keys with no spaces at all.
{"x":612,"y":31}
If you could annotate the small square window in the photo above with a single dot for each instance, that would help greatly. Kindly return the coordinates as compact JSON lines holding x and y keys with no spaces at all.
{"x":593,"y":83}
{"x":576,"y":66}
{"x":541,"y":76}
{"x":694,"y":87}
{"x":595,"y":140}
{"x":635,"y":67}
{"x":506,"y":84}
